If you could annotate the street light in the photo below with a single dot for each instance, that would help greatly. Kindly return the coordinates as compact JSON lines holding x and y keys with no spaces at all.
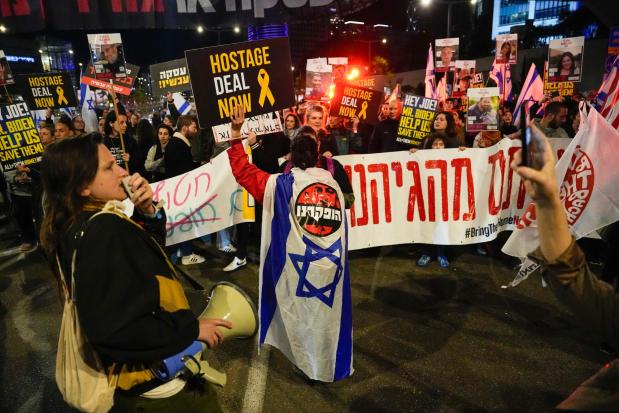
{"x":384,"y":41}
{"x":426,"y":3}
{"x":70,"y":51}
{"x":2,"y":28}
{"x":449,"y":3}
{"x":237,"y":29}
{"x":200,"y":29}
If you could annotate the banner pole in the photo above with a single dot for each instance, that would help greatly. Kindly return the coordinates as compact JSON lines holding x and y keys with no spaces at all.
{"x":122,"y":140}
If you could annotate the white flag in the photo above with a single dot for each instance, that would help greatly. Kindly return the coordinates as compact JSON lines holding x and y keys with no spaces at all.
{"x":588,"y":186}
{"x":89,"y":115}
{"x":430,"y":89}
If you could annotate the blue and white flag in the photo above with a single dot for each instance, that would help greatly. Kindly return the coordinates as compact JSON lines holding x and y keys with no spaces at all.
{"x":182,"y":104}
{"x":430,"y":86}
{"x":89,"y":114}
{"x":305,"y":299}
{"x":532,"y":91}
{"x":38,"y":115}
{"x":502,"y":76}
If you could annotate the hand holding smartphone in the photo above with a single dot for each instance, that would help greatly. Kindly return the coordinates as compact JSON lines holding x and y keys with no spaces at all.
{"x":532,"y":142}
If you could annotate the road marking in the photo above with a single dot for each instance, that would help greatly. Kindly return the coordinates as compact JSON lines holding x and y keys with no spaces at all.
{"x":256,"y":379}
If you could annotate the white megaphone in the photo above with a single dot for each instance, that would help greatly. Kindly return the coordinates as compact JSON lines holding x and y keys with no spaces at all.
{"x":226,"y":301}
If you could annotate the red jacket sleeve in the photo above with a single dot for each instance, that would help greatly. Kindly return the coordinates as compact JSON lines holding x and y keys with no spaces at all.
{"x":249,"y":176}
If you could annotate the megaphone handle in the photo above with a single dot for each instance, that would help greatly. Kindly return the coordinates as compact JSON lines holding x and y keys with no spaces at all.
{"x":211,"y":375}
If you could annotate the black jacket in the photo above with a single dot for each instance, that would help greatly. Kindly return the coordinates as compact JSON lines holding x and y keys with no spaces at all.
{"x":177,"y":158}
{"x":384,"y":137}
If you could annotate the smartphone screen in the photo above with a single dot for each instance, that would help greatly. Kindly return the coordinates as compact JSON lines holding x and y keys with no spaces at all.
{"x":525,"y":134}
{"x":532,"y":142}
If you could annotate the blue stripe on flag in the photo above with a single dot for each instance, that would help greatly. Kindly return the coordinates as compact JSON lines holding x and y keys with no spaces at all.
{"x":276,"y":255}
{"x":344,"y":344}
{"x":185,"y":107}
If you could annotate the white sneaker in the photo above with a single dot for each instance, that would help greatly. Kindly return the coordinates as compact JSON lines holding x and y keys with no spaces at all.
{"x":236,"y":264}
{"x":193,"y":259}
{"x":228,"y":248}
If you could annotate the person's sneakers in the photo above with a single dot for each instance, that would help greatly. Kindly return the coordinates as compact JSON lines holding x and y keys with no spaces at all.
{"x":192,"y":259}
{"x":27,"y":247}
{"x":235,"y":264}
{"x":424,"y":260}
{"x":443,"y":261}
{"x":228,"y":249}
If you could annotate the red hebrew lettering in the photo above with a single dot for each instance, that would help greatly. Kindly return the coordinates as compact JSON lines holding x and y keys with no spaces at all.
{"x":20,"y":8}
{"x":459,"y":164}
{"x":560,"y":153}
{"x":156,"y":193}
{"x":431,"y":202}
{"x":117,"y":6}
{"x":83,"y":6}
{"x":384,"y":169}
{"x":493,"y":205}
{"x":414,"y":194}
{"x":510,"y":175}
{"x":442,"y":165}
{"x":528,"y":217}
{"x":363,"y":220}
{"x":521,"y":194}
{"x":397,"y":168}
{"x":197,"y":182}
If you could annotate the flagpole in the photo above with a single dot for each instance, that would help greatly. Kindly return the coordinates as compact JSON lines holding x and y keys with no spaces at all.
{"x":122,"y":140}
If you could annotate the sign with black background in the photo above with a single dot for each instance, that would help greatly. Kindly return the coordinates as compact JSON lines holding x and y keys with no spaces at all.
{"x":416,"y":121}
{"x":170,"y":76}
{"x":19,"y":138}
{"x":351,"y":101}
{"x":48,"y":90}
{"x":122,"y":85}
{"x":255,"y":75}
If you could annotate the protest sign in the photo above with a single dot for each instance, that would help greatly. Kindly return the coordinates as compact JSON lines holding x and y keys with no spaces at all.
{"x":444,"y":196}
{"x":48,"y":90}
{"x":506,"y":48}
{"x":446,"y":54}
{"x":19,"y":138}
{"x":122,"y":86}
{"x":613,"y":49}
{"x":260,"y":125}
{"x":351,"y":101}
{"x":557,"y":88}
{"x":255,"y":75}
{"x":477,"y":80}
{"x":108,"y":56}
{"x":416,"y":120}
{"x":465,"y":71}
{"x":339,"y":65}
{"x":6,"y":77}
{"x":170,"y":76}
{"x":565,"y":57}
{"x":483,"y":107}
{"x":318,"y":74}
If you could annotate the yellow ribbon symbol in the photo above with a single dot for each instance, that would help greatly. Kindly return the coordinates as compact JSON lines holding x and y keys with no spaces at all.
{"x":362,"y":112}
{"x":61,"y":98}
{"x":265,"y":92}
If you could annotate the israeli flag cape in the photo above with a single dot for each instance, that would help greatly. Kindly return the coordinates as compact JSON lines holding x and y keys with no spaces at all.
{"x":305,"y":299}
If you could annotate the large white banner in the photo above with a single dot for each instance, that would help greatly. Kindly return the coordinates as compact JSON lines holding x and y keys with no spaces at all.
{"x":205,"y":200}
{"x":443,"y":196}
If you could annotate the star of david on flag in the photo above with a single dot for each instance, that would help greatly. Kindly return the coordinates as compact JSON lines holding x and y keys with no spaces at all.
{"x":313,"y":253}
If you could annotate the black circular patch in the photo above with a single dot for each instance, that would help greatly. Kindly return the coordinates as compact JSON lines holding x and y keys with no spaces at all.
{"x":318,"y":210}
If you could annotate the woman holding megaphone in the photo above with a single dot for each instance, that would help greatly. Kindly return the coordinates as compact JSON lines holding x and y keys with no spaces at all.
{"x":131,"y":307}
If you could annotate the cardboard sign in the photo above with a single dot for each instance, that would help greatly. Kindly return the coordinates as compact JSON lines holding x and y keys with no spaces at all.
{"x":6,"y":77}
{"x":446,"y":54}
{"x":19,"y":138}
{"x":352,"y":101}
{"x":482,"y":112}
{"x":557,"y":88}
{"x":565,"y":57}
{"x":171,"y":76}
{"x":108,"y":55}
{"x":255,"y":75}
{"x":318,"y":79}
{"x":260,"y":125}
{"x":465,"y":72}
{"x":416,"y":120}
{"x":122,"y":86}
{"x":506,"y":49}
{"x":48,"y":90}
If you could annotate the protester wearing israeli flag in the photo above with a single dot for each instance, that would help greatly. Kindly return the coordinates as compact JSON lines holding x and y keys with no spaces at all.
{"x":305,"y":297}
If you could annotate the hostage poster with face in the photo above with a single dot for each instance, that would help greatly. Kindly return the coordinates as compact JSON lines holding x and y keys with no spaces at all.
{"x":482,"y":113}
{"x":108,"y":56}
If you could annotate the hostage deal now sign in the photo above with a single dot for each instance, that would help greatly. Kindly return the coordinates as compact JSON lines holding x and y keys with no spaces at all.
{"x":19,"y":138}
{"x":48,"y":90}
{"x":255,"y":75}
{"x":352,"y":101}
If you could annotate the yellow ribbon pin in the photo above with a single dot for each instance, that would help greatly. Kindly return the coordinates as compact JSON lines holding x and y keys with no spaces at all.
{"x":61,"y":98}
{"x":362,"y":112}
{"x":265,"y":92}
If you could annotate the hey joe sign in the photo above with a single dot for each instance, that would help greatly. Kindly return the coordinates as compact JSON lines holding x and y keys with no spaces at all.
{"x":255,"y":75}
{"x":416,"y":120}
{"x":53,"y":90}
{"x":352,"y":101}
{"x":19,"y":139}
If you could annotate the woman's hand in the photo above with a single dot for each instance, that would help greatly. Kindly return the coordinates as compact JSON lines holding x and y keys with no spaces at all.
{"x":142,"y":196}
{"x":125,"y":156}
{"x":237,"y":118}
{"x":209,"y":331}
{"x":251,"y":138}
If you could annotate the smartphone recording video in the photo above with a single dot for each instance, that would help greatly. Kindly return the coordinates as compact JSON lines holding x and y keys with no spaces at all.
{"x":532,"y":142}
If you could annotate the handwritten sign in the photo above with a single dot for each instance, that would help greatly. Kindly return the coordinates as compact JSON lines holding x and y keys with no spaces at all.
{"x":351,"y":101}
{"x":255,"y":75}
{"x":19,"y":138}
{"x":171,"y":76}
{"x":260,"y":125}
{"x":48,"y":90}
{"x":416,"y":120}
